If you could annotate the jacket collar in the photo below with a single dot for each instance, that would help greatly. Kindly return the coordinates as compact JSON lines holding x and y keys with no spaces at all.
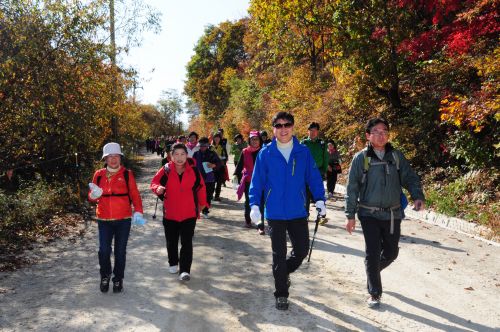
{"x":371,"y":153}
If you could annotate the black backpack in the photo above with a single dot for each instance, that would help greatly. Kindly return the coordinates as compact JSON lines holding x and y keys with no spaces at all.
{"x":126,"y":176}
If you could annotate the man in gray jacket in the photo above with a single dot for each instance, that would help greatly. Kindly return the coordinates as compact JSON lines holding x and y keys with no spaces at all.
{"x":374,"y":191}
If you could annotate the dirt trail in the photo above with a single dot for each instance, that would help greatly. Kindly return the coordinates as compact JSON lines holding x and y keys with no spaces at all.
{"x":441,"y":281}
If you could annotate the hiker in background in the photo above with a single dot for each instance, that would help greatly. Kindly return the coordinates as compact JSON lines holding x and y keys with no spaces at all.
{"x":183,"y":190}
{"x":220,"y":176}
{"x":9,"y":182}
{"x":244,"y":171}
{"x":181,"y":139}
{"x":319,"y":152}
{"x":376,"y":176}
{"x":114,"y":189}
{"x":206,"y":161}
{"x":236,"y":150}
{"x":223,"y":140}
{"x":281,"y":173}
{"x":265,"y":138}
{"x":192,"y":144}
{"x":333,"y":169}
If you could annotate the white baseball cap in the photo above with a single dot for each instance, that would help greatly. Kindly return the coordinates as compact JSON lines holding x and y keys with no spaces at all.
{"x":111,"y":148}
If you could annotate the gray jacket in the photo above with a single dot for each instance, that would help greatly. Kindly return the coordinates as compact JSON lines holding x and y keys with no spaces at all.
{"x":381,"y":188}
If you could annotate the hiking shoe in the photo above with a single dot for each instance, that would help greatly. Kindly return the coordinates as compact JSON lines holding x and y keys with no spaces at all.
{"x":248,"y":225}
{"x":184,"y":276}
{"x":373,"y":301}
{"x":173,"y":269}
{"x":104,"y":284}
{"x":330,"y":195}
{"x":205,"y":215}
{"x":323,"y":221}
{"x":217,"y":199}
{"x":262,"y":232}
{"x":117,"y":286}
{"x":282,"y":303}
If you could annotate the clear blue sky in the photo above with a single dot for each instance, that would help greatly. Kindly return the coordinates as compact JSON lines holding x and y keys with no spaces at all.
{"x":183,"y":23}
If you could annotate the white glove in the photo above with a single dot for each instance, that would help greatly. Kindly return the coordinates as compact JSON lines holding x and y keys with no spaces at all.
{"x":234,"y":182}
{"x":255,"y":215}
{"x":320,"y":206}
{"x":138,"y":219}
{"x":95,"y":191}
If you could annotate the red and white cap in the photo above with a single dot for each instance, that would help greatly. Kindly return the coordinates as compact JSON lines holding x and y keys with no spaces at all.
{"x":254,"y":133}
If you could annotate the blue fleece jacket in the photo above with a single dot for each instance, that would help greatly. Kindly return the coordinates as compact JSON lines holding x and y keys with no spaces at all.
{"x":284,"y":184}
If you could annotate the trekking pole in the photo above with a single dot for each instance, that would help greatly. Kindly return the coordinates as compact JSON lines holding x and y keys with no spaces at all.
{"x":156,"y":205}
{"x":314,"y":235}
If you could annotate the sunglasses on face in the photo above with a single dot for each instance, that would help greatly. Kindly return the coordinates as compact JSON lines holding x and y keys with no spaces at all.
{"x":283,"y":125}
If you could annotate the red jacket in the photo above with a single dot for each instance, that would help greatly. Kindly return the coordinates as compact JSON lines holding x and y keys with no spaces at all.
{"x":179,"y":202}
{"x":116,"y":207}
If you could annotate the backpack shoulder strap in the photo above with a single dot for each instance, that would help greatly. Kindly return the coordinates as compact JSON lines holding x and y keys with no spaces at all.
{"x":396,"y":159}
{"x":366,"y":165}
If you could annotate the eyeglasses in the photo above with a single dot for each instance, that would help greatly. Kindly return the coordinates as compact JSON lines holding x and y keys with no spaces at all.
{"x":380,"y":133}
{"x":283,"y":125}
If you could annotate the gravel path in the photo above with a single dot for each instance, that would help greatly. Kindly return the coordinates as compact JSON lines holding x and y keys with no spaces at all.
{"x":441,"y":281}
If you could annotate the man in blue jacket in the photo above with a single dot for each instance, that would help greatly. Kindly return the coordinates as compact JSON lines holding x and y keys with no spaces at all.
{"x":282,"y":170}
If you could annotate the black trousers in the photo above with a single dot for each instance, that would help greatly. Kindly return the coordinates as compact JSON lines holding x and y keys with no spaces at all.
{"x":381,"y":249}
{"x":298,"y":232}
{"x":184,"y":230}
{"x":331,"y":180}
{"x":247,"y":208}
{"x":219,"y":180}
{"x":209,"y":188}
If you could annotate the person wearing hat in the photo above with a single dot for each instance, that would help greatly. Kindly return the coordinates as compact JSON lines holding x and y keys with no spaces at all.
{"x":115,"y":191}
{"x":192,"y":144}
{"x":265,"y":137}
{"x":237,"y":148}
{"x":280,"y":175}
{"x":318,"y":150}
{"x":207,"y":161}
{"x":244,"y":171}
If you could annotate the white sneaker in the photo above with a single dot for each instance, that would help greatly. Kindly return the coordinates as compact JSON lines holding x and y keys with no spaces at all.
{"x":173,"y":269}
{"x":205,"y":216}
{"x":373,"y":301}
{"x":184,"y":276}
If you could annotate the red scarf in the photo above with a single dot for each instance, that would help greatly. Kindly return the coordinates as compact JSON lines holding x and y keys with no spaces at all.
{"x":191,"y":145}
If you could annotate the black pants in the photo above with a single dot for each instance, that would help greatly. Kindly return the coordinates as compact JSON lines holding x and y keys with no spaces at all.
{"x":381,"y":249}
{"x":331,"y":180}
{"x":247,"y":209}
{"x":184,"y":230}
{"x":209,"y":188}
{"x":298,"y":232}
{"x":219,"y":179}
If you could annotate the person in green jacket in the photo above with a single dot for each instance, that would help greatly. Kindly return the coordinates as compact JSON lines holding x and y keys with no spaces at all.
{"x":319,"y":151}
{"x":374,"y":190}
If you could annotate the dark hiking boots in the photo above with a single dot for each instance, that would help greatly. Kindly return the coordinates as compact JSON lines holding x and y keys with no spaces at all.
{"x":104,"y":285}
{"x":282,"y":303}
{"x":117,"y":286}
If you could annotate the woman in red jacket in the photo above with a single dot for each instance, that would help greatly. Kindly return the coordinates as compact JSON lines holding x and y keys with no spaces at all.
{"x":184,"y":195}
{"x":113,"y":188}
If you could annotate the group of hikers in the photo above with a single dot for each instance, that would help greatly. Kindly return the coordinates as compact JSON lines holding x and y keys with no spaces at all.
{"x":279,"y":178}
